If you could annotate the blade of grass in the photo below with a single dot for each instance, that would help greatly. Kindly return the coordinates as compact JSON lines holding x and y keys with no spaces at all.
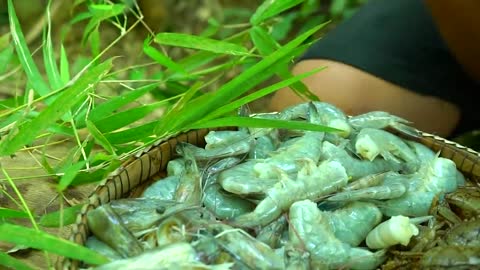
{"x":161,"y":58}
{"x":122,"y":119}
{"x":96,"y":175}
{"x":238,"y":121}
{"x":51,"y":68}
{"x":133,"y":134}
{"x":41,"y":240}
{"x":270,"y":8}
{"x":235,"y":87}
{"x":200,"y":43}
{"x":53,"y":219}
{"x":10,"y":262}
{"x":64,"y":66}
{"x":258,"y":94}
{"x":24,"y":55}
{"x":28,"y":131}
{"x":69,"y":175}
{"x":10,"y":213}
{"x":106,"y":108}
{"x":99,"y":138}
{"x":266,"y":45}
{"x":171,"y":118}
{"x":6,"y":54}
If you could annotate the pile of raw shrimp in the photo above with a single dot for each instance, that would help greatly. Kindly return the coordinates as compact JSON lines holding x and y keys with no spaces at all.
{"x":264,"y":198}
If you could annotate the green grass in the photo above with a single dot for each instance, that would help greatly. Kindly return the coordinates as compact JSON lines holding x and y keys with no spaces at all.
{"x":57,"y":102}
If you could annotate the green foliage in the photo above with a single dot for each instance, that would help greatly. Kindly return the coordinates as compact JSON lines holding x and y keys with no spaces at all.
{"x":41,"y":240}
{"x":64,"y":97}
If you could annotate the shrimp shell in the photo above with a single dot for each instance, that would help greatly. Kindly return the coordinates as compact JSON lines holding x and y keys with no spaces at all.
{"x":396,"y":230}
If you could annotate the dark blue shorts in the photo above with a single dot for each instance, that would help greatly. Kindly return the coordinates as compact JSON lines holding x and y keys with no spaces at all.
{"x":396,"y":40}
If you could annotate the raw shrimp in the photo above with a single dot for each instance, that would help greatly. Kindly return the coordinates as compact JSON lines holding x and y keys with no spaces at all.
{"x":163,"y":189}
{"x":94,"y":244}
{"x":312,"y":183}
{"x":466,"y":233}
{"x":246,"y":249}
{"x":451,"y":257}
{"x":273,"y":232}
{"x":371,"y":142}
{"x":296,"y":258}
{"x":311,"y":228}
{"x":466,"y":201}
{"x":434,"y":179}
{"x":175,"y":256}
{"x":308,"y":146}
{"x":138,"y":214}
{"x":329,"y":115}
{"x":176,"y":167}
{"x":264,"y":145}
{"x":352,"y":223}
{"x":256,"y":177}
{"x":408,"y":195}
{"x":189,"y":186}
{"x":221,"y":144}
{"x":396,"y":230}
{"x":357,"y":168}
{"x":243,"y":179}
{"x":382,"y":120}
{"x":225,"y":205}
{"x":107,"y":226}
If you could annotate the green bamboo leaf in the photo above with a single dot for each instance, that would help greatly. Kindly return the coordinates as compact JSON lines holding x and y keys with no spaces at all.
{"x":95,"y":41}
{"x":170,"y":120}
{"x":81,"y":16}
{"x":69,"y":215}
{"x":106,"y":108}
{"x":41,"y":240}
{"x":6,"y":52}
{"x":64,"y":65}
{"x":98,"y":13}
{"x":238,"y":121}
{"x":10,"y":213}
{"x":99,"y":138}
{"x":132,"y":134}
{"x":259,"y":94}
{"x":161,"y":58}
{"x":61,"y":130}
{"x":198,"y":59}
{"x":263,"y":41}
{"x":24,"y":55}
{"x":242,"y":83}
{"x":104,"y":11}
{"x":5,"y":41}
{"x":51,"y":68}
{"x":68,"y":98}
{"x":270,"y":8}
{"x":267,"y":45}
{"x":96,"y":175}
{"x":10,"y":262}
{"x":200,"y":43}
{"x":122,"y":119}
{"x":70,"y":174}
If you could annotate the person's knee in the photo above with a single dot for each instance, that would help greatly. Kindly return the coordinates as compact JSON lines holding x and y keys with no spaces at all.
{"x":355,"y":91}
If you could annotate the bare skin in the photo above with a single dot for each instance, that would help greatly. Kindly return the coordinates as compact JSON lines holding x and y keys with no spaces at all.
{"x":355,"y":92}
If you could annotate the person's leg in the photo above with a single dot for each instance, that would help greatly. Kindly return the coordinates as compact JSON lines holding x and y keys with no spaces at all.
{"x":356,"y":91}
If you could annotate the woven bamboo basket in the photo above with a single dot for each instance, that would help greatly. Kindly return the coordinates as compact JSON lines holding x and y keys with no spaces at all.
{"x":138,"y":172}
